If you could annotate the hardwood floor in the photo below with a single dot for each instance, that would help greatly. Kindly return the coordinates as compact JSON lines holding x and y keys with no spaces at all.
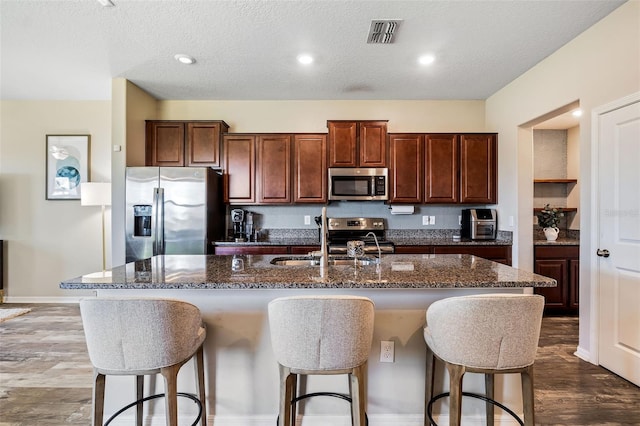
{"x":45,"y":374}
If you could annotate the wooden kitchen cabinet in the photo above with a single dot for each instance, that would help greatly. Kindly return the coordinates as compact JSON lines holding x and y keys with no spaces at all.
{"x":357,"y":143}
{"x":239,"y":169}
{"x":479,"y":168}
{"x":230,"y":250}
{"x":257,"y":168}
{"x":273,"y":173}
{"x":500,"y":254}
{"x":310,"y":168}
{"x":446,"y":169}
{"x":497,"y":253}
{"x":183,"y":143}
{"x":562,"y":264}
{"x":405,"y":168}
{"x":264,"y":249}
{"x":441,"y":169}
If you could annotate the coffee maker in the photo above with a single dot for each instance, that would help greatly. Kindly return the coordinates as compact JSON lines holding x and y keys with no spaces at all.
{"x":237,"y":218}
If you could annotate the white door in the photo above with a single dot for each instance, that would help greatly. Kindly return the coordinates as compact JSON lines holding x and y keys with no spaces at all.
{"x":619,"y":239}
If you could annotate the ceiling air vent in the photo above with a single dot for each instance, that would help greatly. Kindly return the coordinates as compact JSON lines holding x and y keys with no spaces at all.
{"x":382,"y":31}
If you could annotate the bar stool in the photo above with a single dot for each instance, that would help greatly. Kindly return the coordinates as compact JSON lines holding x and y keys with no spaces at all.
{"x":139,"y":337}
{"x":321,"y":335}
{"x":489,"y":334}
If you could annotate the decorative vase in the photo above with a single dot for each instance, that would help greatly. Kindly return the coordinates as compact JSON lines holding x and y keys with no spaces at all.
{"x":551,"y":233}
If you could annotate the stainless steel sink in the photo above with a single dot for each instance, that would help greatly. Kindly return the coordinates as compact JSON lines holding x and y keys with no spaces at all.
{"x":315,"y":261}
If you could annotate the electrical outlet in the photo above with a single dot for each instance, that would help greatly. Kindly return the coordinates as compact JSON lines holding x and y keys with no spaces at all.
{"x":432,"y":220}
{"x":387,"y":351}
{"x":425,"y":220}
{"x":307,"y":220}
{"x":511,"y":221}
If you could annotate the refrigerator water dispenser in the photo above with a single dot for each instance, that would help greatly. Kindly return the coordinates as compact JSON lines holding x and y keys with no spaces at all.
{"x":142,"y":220}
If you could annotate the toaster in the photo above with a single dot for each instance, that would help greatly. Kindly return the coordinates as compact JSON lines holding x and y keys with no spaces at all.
{"x":479,"y":224}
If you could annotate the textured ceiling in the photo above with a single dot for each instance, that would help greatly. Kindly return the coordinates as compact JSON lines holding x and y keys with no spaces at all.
{"x":247,"y":49}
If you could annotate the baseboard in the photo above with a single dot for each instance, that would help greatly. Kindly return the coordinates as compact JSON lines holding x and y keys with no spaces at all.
{"x":14,"y":299}
{"x":319,"y":420}
{"x":583,"y":354}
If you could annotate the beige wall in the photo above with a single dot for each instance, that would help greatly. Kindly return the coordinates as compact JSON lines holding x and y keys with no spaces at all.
{"x":46,"y":240}
{"x":312,"y":116}
{"x":573,"y":172}
{"x":600,"y":65}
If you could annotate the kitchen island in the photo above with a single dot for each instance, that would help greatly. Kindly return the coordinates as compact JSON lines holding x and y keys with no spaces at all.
{"x":242,"y":376}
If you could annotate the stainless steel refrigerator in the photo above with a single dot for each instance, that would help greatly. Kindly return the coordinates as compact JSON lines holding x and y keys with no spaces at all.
{"x":172,"y":210}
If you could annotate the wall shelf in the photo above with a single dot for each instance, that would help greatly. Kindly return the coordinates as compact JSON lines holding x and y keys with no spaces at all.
{"x":564,"y":209}
{"x":555,"y":181}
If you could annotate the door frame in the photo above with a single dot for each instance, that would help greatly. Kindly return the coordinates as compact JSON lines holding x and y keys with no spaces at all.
{"x":593,"y":278}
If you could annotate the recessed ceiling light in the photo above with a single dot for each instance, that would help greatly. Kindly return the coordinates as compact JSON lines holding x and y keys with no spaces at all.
{"x":305,"y":59}
{"x":185,"y":59}
{"x":426,"y":59}
{"x":106,"y":3}
{"x":577,"y":113}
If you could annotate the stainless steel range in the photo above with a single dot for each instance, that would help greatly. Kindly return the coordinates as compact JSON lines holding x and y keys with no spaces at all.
{"x":343,"y":229}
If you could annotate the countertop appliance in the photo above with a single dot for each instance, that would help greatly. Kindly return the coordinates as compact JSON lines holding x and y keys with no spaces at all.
{"x":343,"y":229}
{"x":172,"y":210}
{"x":358,"y":184}
{"x":479,"y":224}
{"x":239,"y":231}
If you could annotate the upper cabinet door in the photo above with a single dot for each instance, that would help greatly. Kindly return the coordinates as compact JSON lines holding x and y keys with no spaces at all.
{"x":274,"y":169}
{"x":479,"y":168}
{"x":372,"y":137}
{"x":239,"y":169}
{"x":342,"y":143}
{"x":441,"y":167}
{"x":164,"y":143}
{"x":310,"y":169}
{"x":357,"y":143}
{"x":203,"y":143}
{"x":405,"y":168}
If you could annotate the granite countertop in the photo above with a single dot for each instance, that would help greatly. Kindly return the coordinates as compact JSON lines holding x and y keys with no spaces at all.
{"x":398,"y":237}
{"x":257,"y":272}
{"x":558,"y":242}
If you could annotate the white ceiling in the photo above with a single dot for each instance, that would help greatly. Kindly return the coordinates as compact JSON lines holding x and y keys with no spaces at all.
{"x":52,"y":49}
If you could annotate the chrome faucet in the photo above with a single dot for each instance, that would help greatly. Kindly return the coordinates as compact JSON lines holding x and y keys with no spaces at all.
{"x":324,"y":255}
{"x":377,"y":245}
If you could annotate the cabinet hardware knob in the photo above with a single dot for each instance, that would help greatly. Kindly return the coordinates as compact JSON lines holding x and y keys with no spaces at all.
{"x":603,"y":253}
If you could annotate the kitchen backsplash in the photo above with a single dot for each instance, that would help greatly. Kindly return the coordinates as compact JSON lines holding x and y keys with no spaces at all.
{"x":292,"y":217}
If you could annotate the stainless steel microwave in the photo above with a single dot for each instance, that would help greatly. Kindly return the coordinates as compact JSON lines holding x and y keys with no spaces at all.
{"x":358,"y":184}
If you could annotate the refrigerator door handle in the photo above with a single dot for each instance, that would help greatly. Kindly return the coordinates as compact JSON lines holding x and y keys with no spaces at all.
{"x":160,"y":246}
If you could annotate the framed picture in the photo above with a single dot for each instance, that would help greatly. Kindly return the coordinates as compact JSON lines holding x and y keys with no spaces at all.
{"x":67,"y":166}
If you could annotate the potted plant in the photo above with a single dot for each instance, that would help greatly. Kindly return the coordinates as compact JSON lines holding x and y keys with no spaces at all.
{"x":548,"y":220}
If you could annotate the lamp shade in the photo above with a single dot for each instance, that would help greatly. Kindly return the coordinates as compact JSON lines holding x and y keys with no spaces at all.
{"x":95,"y":194}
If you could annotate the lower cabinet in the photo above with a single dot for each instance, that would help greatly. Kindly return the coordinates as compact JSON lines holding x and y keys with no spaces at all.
{"x":266,"y":249}
{"x":500,"y":254}
{"x":562,"y":264}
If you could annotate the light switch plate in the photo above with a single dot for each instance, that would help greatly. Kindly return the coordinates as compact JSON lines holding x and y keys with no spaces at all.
{"x":425,"y":220}
{"x":307,"y":220}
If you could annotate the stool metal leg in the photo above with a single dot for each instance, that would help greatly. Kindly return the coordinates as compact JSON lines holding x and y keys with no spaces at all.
{"x":98,"y":397}
{"x":286,"y":393}
{"x":139,"y":396}
{"x":358,"y":395}
{"x":200,"y":388}
{"x":489,"y":392}
{"x":456,"y":373}
{"x":527,"y":395}
{"x":429,"y":382}
{"x":293,"y":386}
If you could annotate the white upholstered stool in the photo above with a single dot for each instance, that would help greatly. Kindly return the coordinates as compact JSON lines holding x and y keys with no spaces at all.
{"x":139,"y":337}
{"x":321,"y":335}
{"x":487,"y":334}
